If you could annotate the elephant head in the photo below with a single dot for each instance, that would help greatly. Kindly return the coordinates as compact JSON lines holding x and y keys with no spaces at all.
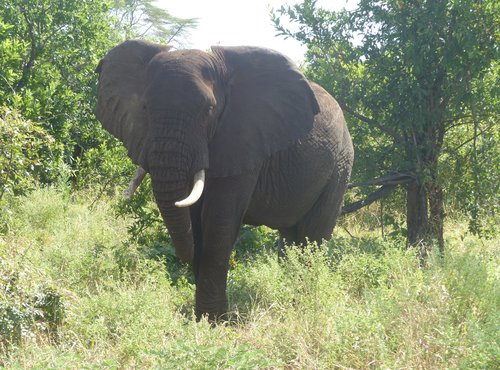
{"x":184,"y":113}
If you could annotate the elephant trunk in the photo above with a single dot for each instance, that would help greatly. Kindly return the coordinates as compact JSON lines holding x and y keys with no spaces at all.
{"x":172,"y":162}
{"x":178,"y":222}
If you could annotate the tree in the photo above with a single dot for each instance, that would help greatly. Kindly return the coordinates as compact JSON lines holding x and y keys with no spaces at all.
{"x":141,"y":18}
{"x":49,"y":50}
{"x":406,"y":73}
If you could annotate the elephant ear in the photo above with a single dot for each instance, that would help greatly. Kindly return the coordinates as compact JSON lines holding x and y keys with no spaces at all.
{"x":120,"y":104}
{"x":269,"y":106}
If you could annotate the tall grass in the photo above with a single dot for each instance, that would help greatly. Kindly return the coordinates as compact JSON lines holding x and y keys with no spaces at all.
{"x":76,"y":292}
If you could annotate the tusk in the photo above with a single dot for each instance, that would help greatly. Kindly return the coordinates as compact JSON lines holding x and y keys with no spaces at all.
{"x":135,"y":182}
{"x":199,"y":183}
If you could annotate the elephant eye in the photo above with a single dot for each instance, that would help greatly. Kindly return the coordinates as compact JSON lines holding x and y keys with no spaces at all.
{"x":210,"y":104}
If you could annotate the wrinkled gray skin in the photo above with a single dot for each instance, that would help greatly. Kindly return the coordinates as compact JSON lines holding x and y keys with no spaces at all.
{"x":275,"y":147}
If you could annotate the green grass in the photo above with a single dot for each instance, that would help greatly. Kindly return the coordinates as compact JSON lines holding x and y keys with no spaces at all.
{"x":76,"y":292}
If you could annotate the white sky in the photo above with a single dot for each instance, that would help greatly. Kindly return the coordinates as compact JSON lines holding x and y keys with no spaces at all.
{"x":239,"y":22}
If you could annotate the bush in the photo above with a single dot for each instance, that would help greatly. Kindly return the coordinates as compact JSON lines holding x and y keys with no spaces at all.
{"x":30,"y":304}
{"x":105,"y":168}
{"x":24,"y":153}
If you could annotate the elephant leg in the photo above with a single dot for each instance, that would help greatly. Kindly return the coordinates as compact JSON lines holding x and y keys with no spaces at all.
{"x":224,"y":205}
{"x":317,"y":225}
{"x":288,"y":236}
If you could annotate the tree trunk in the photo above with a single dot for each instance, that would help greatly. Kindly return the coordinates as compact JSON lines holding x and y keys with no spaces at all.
{"x":425,"y":217}
{"x":437,"y":214}
{"x":417,"y":219}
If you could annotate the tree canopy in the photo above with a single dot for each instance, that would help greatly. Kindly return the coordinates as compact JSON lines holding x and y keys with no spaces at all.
{"x":142,"y":18}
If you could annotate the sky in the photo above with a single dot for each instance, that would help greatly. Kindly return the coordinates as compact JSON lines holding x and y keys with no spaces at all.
{"x":240,"y":22}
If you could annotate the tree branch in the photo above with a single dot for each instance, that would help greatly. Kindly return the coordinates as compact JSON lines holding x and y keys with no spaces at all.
{"x":176,"y":32}
{"x":389,"y":183}
{"x":28,"y":66}
{"x":370,"y":121}
{"x":382,"y":192}
{"x":474,"y":137}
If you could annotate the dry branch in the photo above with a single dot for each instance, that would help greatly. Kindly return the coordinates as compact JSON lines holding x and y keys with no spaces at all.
{"x":388,"y":185}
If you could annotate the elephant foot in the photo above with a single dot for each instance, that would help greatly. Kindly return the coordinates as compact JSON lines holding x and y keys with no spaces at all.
{"x":215,"y":315}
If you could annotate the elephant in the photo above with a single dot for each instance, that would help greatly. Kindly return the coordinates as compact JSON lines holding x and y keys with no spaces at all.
{"x":235,"y":135}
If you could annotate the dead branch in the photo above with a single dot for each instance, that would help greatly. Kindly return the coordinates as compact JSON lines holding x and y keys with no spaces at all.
{"x":382,"y":192}
{"x":388,"y":184}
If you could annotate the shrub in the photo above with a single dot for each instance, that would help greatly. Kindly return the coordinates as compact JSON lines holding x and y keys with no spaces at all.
{"x":23,"y":147}
{"x":30,"y":305}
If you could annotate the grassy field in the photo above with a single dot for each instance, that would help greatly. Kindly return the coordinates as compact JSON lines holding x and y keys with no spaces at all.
{"x":77,"y":292}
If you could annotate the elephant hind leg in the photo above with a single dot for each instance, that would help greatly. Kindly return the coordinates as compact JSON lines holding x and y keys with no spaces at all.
{"x":317,"y":225}
{"x":288,"y":236}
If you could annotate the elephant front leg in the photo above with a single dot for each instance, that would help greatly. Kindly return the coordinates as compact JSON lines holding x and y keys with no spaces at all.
{"x":224,"y":205}
{"x":211,"y":274}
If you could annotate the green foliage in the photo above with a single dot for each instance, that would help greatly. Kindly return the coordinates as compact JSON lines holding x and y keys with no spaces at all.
{"x":471,"y":165}
{"x":104,"y":172}
{"x":143,"y":210}
{"x":21,"y":145}
{"x":147,"y":229}
{"x":367,"y":303}
{"x":193,"y":355}
{"x":254,"y":240}
{"x":49,"y":51}
{"x":30,"y":304}
{"x":105,"y":168}
{"x":76,"y":292}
